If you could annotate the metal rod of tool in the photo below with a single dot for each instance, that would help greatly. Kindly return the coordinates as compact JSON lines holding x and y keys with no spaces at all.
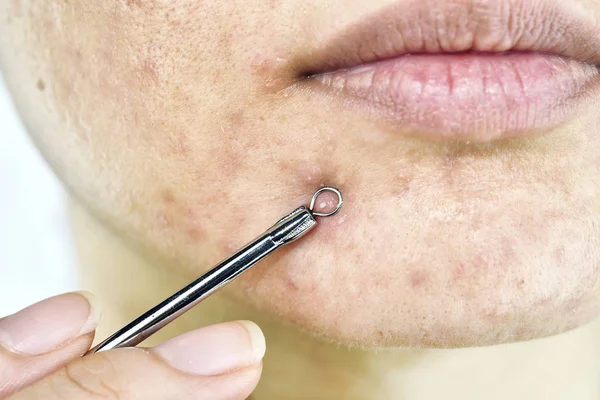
{"x":286,"y":230}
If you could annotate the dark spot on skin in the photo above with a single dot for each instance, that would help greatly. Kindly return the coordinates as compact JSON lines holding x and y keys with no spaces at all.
{"x":479,"y":262}
{"x":41,"y":85}
{"x":134,"y":3}
{"x":418,"y":278}
{"x":459,"y":271}
{"x":237,"y":118}
{"x":194,"y":233}
{"x":167,"y":196}
{"x":521,"y":283}
{"x":149,"y":70}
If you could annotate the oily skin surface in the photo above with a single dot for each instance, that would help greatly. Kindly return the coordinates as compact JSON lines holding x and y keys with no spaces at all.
{"x":175,"y":123}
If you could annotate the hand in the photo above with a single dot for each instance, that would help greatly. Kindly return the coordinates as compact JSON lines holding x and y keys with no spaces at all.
{"x":41,"y":348}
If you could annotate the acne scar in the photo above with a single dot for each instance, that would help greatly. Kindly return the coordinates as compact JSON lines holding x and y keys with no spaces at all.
{"x":290,"y":283}
{"x":132,"y":3}
{"x":180,"y":145}
{"x":194,"y":233}
{"x":167,"y":196}
{"x":459,"y":272}
{"x":418,"y":278}
{"x":237,"y":118}
{"x":149,"y":70}
{"x":163,"y":220}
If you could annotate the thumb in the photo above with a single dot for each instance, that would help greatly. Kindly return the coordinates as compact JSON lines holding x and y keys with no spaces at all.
{"x":216,"y":362}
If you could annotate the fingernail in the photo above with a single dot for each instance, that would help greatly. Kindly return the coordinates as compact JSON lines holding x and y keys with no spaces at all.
{"x":49,"y":324}
{"x":216,"y":349}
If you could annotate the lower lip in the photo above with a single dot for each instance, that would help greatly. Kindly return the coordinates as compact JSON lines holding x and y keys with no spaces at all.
{"x":479,"y":97}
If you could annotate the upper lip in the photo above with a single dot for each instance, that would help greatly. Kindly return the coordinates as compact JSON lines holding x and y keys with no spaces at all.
{"x":454,"y":26}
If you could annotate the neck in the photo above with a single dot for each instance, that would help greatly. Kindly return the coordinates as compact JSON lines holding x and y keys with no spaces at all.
{"x":298,"y":366}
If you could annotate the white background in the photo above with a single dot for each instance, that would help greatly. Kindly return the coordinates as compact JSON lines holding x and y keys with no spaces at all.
{"x":36,"y":254}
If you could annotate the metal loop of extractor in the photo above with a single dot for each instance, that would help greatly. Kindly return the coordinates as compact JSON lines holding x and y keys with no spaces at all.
{"x":314,"y":199}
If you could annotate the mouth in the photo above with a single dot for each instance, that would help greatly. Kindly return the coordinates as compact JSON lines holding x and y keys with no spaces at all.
{"x":462,"y":69}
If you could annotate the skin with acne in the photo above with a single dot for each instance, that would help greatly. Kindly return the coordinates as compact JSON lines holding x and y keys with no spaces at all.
{"x":184,"y":160}
{"x":181,"y":132}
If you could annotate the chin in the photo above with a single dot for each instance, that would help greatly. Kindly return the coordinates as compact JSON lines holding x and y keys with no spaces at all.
{"x":440,"y":262}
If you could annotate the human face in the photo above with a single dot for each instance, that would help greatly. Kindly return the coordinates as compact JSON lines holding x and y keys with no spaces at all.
{"x":471,"y":181}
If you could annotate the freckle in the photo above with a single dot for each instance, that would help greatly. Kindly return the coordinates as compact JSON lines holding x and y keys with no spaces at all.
{"x":521,"y":283}
{"x":417,"y":278}
{"x":41,"y":85}
{"x":261,"y":118}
